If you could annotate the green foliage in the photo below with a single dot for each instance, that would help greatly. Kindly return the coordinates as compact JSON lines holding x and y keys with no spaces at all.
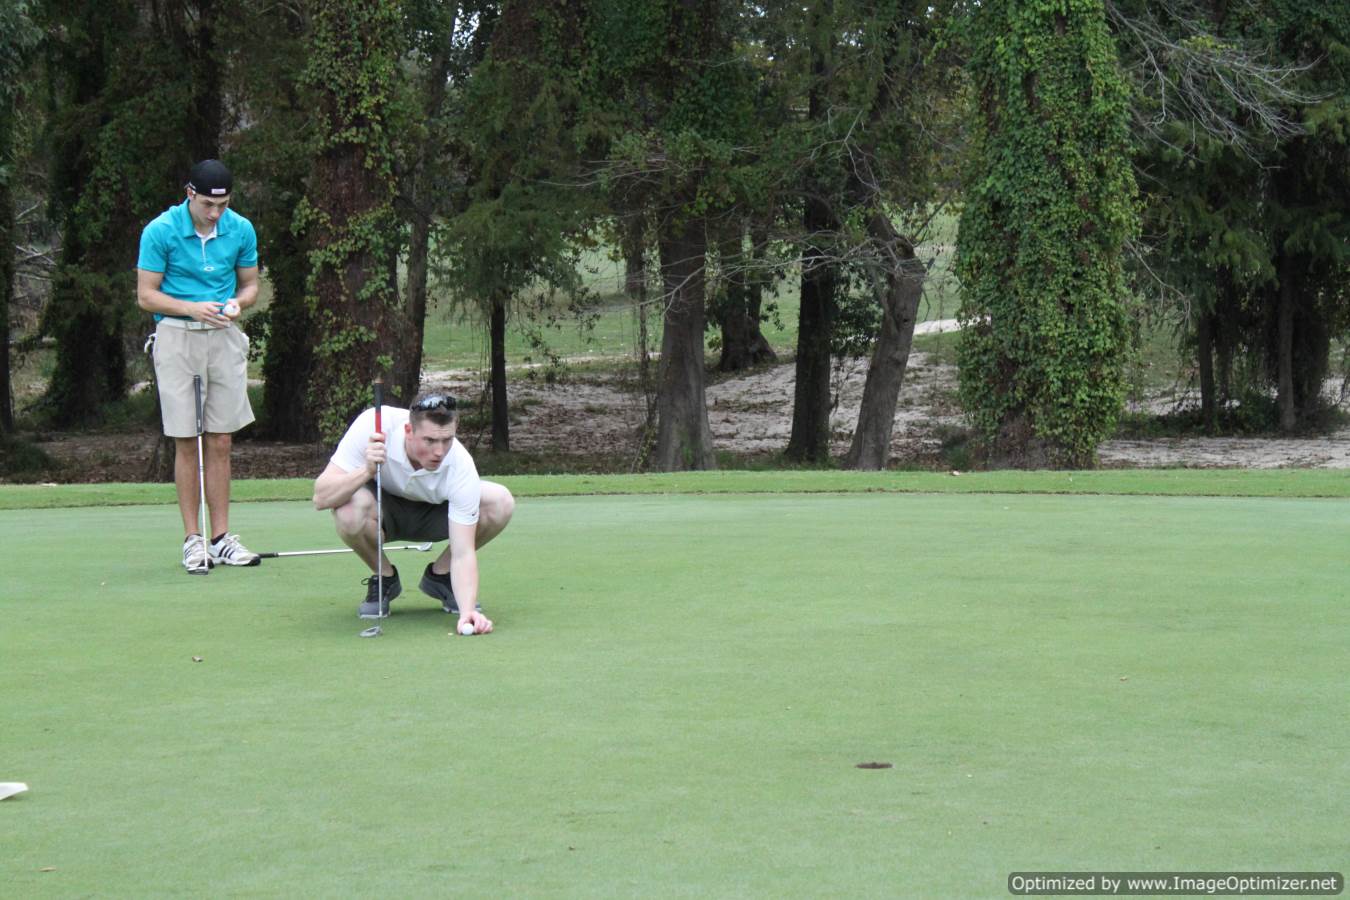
{"x":125,"y":128}
{"x":1236,"y":228}
{"x":1049,"y":210}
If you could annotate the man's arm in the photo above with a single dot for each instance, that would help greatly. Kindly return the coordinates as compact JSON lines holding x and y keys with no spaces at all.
{"x":246,"y":286}
{"x":151,"y":299}
{"x":464,"y":575}
{"x":335,"y":485}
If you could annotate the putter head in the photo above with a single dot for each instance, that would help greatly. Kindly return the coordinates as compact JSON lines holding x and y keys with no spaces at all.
{"x":372,"y":631}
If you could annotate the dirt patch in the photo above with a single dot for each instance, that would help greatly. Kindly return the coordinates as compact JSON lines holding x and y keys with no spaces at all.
{"x":598,"y":417}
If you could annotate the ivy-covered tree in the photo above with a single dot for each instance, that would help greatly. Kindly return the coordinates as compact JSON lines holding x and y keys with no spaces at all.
{"x":347,"y":216}
{"x":1050,"y":205}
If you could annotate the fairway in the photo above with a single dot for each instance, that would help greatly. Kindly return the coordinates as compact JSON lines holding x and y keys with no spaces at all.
{"x":677,"y":696}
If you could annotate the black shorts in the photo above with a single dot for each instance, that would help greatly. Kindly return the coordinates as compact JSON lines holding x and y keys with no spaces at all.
{"x":413,"y":520}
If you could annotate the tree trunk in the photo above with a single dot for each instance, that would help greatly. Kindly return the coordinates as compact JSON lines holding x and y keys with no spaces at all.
{"x":1312,"y":345}
{"x":743,"y":342}
{"x":356,"y":333}
{"x":683,"y":436}
{"x":1284,"y":343}
{"x":408,"y":379}
{"x":902,"y":290}
{"x":809,"y":440}
{"x":810,"y":437}
{"x":288,"y":362}
{"x":1204,"y":337}
{"x":501,"y":425}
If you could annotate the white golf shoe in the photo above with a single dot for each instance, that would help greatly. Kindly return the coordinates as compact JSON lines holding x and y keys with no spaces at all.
{"x":228,"y":551}
{"x":195,"y":558}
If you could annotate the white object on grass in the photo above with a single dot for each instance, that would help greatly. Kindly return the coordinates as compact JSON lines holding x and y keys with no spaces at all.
{"x":10,"y":788}
{"x":466,"y":629}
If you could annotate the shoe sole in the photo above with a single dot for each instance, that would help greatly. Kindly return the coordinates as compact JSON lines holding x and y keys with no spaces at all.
{"x":222,"y":561}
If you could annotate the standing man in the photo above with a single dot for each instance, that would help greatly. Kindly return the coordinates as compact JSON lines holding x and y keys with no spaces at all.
{"x":198,"y":269}
{"x":431,"y":492}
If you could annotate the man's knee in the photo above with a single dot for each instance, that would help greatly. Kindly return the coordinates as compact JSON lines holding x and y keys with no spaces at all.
{"x":497,"y":506}
{"x":356,"y":515}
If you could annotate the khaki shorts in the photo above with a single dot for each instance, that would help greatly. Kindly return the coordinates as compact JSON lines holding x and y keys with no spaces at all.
{"x":220,"y":357}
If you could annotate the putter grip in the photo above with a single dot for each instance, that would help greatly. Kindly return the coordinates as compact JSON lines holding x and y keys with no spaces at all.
{"x":197,"y":390}
{"x":379,"y":402}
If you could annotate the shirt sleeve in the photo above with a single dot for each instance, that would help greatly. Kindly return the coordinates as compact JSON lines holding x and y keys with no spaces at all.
{"x":467,"y":492}
{"x":350,"y":454}
{"x":248,"y":247}
{"x":153,"y":256}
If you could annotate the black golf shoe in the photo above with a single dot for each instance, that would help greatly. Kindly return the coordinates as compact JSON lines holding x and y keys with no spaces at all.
{"x":438,"y":586}
{"x":371,"y":608}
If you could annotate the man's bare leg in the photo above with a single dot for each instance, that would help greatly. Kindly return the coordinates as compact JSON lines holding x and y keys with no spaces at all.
{"x":355,"y":521}
{"x":216,"y":448}
{"x":185,"y":483}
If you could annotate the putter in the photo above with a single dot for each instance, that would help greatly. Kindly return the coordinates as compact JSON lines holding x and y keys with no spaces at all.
{"x":420,"y":548}
{"x":374,"y":630}
{"x":201,"y":480}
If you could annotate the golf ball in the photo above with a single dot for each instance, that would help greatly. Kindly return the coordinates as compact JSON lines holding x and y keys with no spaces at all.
{"x":230,"y":309}
{"x":466,"y":628}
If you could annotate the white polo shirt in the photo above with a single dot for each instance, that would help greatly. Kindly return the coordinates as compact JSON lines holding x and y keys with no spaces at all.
{"x":455,"y":480}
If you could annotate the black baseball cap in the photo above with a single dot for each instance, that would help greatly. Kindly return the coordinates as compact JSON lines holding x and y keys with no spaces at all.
{"x":210,"y":177}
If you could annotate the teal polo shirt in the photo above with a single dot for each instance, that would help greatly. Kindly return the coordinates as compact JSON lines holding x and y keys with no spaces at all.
{"x":196,"y":270}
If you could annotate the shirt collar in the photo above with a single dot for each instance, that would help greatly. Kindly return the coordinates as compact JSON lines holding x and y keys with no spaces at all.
{"x":187,"y":228}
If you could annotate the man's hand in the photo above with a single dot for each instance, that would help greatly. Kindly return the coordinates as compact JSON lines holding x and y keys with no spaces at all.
{"x":374,"y":452}
{"x":209,"y":313}
{"x":481,"y":623}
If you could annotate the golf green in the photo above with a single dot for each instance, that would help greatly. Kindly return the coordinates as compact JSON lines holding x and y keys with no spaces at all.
{"x":676,"y":699}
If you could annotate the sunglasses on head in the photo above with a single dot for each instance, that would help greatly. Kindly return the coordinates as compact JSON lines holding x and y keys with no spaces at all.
{"x":435,"y":401}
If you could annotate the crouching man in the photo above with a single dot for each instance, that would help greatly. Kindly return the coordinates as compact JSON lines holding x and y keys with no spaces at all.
{"x":431,"y":492}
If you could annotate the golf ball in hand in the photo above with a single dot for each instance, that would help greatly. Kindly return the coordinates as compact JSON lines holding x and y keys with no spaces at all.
{"x":466,"y":628}
{"x":230,"y":309}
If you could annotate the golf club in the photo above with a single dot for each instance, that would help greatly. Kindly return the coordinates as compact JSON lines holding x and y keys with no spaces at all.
{"x":374,"y":630}
{"x":420,"y":548}
{"x":201,"y":483}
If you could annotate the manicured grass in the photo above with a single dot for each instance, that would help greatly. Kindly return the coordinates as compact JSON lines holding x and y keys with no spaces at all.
{"x":677,"y":696}
{"x":1165,"y":482}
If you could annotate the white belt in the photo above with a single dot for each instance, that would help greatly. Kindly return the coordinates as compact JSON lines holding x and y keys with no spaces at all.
{"x":189,"y":324}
